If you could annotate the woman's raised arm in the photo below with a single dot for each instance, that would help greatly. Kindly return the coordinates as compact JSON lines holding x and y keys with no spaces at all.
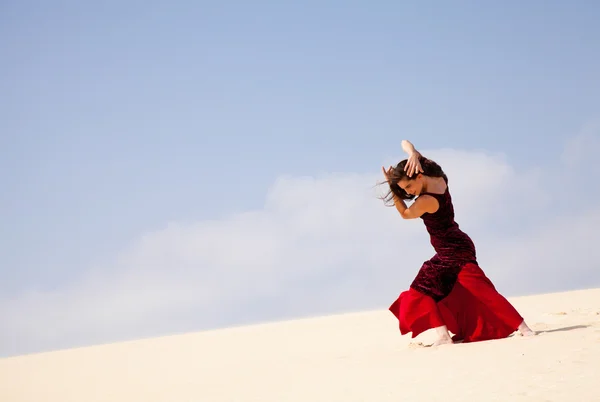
{"x":413,"y":164}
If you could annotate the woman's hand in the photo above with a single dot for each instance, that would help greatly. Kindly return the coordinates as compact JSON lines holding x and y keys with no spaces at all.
{"x":386,"y":173}
{"x":413,"y":165}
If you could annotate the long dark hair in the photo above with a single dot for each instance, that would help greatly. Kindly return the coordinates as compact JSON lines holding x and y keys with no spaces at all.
{"x":430,"y":168}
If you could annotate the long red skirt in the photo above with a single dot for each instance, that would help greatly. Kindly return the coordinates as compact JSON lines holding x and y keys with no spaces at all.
{"x":473,"y":311}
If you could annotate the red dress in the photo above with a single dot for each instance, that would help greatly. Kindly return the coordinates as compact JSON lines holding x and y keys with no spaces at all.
{"x":451,"y":289}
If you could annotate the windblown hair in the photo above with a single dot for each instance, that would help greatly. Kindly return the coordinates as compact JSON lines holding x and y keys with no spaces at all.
{"x":430,"y":168}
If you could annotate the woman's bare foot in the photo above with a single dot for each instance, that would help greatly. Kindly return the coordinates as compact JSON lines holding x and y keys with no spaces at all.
{"x":443,"y":341}
{"x":444,"y":336}
{"x":525,"y":330}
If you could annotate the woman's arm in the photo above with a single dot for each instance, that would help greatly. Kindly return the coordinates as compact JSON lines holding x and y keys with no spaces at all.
{"x":423,"y":204}
{"x":409,"y":148}
{"x":413,"y":164}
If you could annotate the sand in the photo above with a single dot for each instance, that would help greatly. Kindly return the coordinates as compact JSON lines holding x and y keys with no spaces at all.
{"x":345,"y":358}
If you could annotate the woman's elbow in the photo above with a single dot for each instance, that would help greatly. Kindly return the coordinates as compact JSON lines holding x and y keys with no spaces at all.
{"x":406,"y":214}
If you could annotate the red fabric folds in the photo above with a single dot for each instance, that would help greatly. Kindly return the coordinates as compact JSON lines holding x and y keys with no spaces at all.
{"x":473,"y":311}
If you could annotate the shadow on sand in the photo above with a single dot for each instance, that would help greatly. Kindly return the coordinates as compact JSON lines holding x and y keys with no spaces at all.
{"x":571,"y":328}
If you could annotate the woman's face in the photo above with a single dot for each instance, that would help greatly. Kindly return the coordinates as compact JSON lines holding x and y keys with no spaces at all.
{"x":413,"y":186}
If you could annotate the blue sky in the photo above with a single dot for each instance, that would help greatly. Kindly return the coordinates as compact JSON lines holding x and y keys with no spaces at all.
{"x":122,"y":117}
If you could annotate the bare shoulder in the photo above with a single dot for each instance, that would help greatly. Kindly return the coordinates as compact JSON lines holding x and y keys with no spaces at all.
{"x":427,"y":203}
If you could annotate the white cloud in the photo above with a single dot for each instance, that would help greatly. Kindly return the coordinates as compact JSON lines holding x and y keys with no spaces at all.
{"x":319,"y":245}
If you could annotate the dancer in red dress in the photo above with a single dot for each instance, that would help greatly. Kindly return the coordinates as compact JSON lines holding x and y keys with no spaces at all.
{"x":450,"y":293}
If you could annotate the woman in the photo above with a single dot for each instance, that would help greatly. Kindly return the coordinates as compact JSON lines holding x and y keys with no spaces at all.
{"x":450,"y":293}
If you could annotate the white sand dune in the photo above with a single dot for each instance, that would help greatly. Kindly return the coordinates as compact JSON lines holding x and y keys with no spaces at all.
{"x":345,"y":358}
